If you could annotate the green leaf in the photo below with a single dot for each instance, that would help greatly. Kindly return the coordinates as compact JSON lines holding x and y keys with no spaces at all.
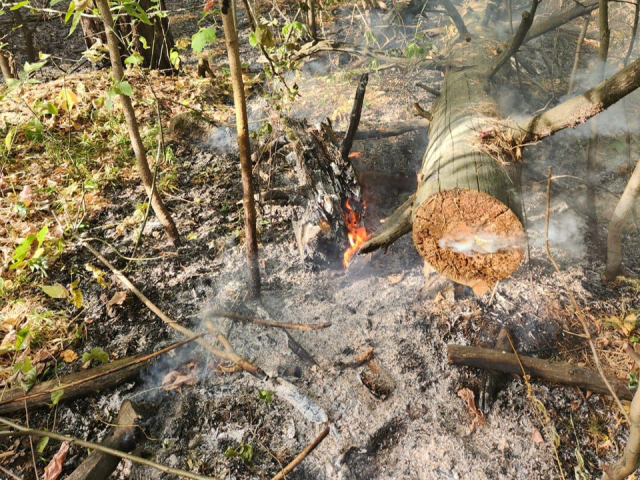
{"x":70,"y":11}
{"x":246,"y":452}
{"x":97,"y":354}
{"x":23,"y":211}
{"x":42,"y":444}
{"x":634,"y":339}
{"x":41,"y":235}
{"x":264,"y":36}
{"x":231,"y":452}
{"x":33,"y":67}
{"x":633,"y":380}
{"x":21,"y":336}
{"x":265,"y":395}
{"x":19,"y":5}
{"x":55,"y":291}
{"x":56,"y":396}
{"x":21,"y":250}
{"x":253,"y":41}
{"x":133,"y":59}
{"x":201,"y":38}
{"x":124,"y":88}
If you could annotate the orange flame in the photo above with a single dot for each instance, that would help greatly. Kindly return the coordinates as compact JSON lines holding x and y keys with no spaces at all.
{"x":356,"y":234}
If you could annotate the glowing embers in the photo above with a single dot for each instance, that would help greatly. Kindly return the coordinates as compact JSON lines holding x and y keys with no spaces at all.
{"x":356,"y":233}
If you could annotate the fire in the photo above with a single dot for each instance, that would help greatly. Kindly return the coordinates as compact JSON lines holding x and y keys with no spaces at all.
{"x":356,"y":234}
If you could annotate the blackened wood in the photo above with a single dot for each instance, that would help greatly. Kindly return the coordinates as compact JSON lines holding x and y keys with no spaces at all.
{"x":99,"y":465}
{"x":354,"y":120}
{"x":549,"y":370}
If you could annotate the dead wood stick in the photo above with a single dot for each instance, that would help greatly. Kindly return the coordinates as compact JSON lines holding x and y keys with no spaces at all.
{"x":82,"y":383}
{"x":296,"y":461}
{"x":396,"y":226}
{"x":228,"y":353}
{"x":99,"y":465}
{"x":101,"y":448}
{"x":427,"y":88}
{"x":578,"y":311}
{"x":516,"y":40}
{"x":246,"y":365}
{"x":354,"y":119}
{"x":453,"y":13}
{"x":552,"y":371}
{"x":268,"y":323}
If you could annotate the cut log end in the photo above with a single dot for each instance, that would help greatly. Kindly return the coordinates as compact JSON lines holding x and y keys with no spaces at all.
{"x":469,"y":237}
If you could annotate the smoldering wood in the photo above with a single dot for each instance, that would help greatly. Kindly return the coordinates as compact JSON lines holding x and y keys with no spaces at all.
{"x":100,"y":465}
{"x":354,"y":119}
{"x":75,"y":385}
{"x":83,"y":383}
{"x":549,"y":370}
{"x":326,"y":180}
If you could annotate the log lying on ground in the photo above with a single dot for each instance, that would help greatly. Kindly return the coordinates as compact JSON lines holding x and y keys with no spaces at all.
{"x":99,"y":465}
{"x":81,"y":384}
{"x":555,"y":372}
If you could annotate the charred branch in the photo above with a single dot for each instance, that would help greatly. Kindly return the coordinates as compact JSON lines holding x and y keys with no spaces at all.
{"x":518,"y":38}
{"x":552,"y":371}
{"x":427,"y":88}
{"x":81,"y":384}
{"x":100,"y":465}
{"x":354,"y":120}
{"x":395,"y":227}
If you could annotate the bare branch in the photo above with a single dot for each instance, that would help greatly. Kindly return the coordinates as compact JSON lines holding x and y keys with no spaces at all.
{"x":452,"y":11}
{"x":518,"y":38}
{"x":559,"y":19}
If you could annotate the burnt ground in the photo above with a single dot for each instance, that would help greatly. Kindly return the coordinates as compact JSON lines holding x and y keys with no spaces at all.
{"x":419,"y":427}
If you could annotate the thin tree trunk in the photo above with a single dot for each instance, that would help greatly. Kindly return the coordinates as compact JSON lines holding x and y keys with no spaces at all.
{"x":134,"y":133}
{"x":242,"y":125}
{"x":634,"y":32}
{"x":576,"y":61}
{"x":311,"y":19}
{"x":28,"y":36}
{"x":620,"y":214}
{"x":5,"y":67}
{"x":592,"y":150}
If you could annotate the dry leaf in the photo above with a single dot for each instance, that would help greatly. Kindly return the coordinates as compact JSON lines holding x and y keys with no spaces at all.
{"x":393,"y":279}
{"x":54,"y":469}
{"x":69,"y":356}
{"x":187,"y":375}
{"x":117,"y":299}
{"x":536,"y":436}
{"x":469,"y":398}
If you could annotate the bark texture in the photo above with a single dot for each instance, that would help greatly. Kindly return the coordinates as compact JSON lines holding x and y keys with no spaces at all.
{"x":134,"y":133}
{"x":242,"y":126}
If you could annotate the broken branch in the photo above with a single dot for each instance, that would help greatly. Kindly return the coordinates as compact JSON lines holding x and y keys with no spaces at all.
{"x":518,"y":38}
{"x":82,"y":383}
{"x":354,"y":121}
{"x":453,"y":13}
{"x":396,"y":226}
{"x":549,"y":370}
{"x":559,"y":19}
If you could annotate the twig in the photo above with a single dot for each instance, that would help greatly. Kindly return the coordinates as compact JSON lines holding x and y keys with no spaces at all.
{"x":229,"y":353}
{"x":12,"y":475}
{"x":579,"y":312}
{"x":576,"y":60}
{"x":267,"y":323}
{"x":107,"y":450}
{"x":296,"y":461}
{"x":354,"y":120}
{"x":246,"y":365}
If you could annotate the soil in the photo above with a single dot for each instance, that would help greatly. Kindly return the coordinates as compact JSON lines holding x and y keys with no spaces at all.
{"x":398,"y":417}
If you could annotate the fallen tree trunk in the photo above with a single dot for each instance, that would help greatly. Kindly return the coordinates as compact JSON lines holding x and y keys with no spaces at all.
{"x":552,"y":371}
{"x":100,"y":465}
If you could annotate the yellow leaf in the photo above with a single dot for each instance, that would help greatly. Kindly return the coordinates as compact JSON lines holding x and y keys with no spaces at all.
{"x":69,"y":356}
{"x":8,"y":140}
{"x":98,"y":275}
{"x":66,"y":99}
{"x":76,"y":294}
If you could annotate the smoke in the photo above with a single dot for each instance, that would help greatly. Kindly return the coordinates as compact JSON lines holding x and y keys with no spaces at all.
{"x":479,"y":243}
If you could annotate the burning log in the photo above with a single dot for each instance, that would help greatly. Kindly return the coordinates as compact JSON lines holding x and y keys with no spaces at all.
{"x":100,"y":465}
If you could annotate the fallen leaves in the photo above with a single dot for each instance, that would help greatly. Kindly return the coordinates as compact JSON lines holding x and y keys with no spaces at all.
{"x":117,"y":299}
{"x":54,"y":469}
{"x":176,"y":379}
{"x":469,"y":398}
{"x":69,"y":356}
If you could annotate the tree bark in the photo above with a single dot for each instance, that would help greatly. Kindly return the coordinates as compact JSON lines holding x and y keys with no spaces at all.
{"x":552,"y":371}
{"x":616,"y":226}
{"x":28,"y":36}
{"x":5,"y":66}
{"x":242,"y":126}
{"x":129,"y":32}
{"x":134,"y":133}
{"x":311,"y":19}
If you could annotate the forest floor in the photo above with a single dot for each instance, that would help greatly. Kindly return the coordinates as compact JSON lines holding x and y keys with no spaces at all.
{"x":419,"y":426}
